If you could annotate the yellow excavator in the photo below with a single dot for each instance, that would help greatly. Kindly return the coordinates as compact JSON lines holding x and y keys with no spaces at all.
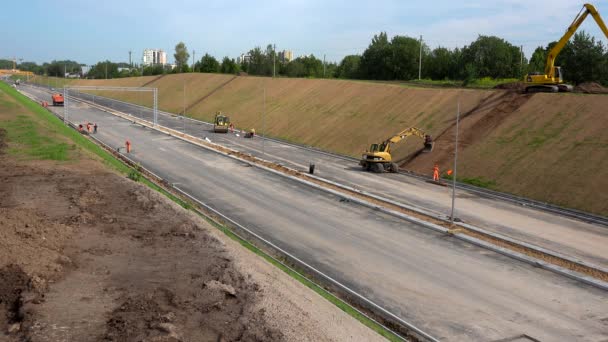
{"x":378,"y":158}
{"x":552,"y":79}
{"x":221,"y":123}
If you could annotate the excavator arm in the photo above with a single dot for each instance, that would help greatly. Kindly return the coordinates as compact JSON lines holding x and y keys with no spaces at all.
{"x":580,"y":18}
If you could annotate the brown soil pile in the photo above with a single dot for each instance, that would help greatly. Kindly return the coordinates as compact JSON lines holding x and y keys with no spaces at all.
{"x":2,"y":140}
{"x":87,"y":255}
{"x":516,"y":86}
{"x":591,"y":88}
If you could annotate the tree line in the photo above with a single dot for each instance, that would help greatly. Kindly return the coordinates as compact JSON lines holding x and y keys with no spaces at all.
{"x":583,"y":59}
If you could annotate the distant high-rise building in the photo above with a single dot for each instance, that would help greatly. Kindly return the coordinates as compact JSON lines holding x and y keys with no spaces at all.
{"x":154,"y":56}
{"x":286,"y":56}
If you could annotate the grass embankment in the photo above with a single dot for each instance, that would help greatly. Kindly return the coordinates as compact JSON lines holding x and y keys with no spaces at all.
{"x":32,"y":129}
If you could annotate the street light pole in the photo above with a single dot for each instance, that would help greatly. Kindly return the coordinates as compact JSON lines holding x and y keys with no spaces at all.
{"x":264,"y":125}
{"x":420,"y":61}
{"x":455,"y":163}
{"x":274,"y":58}
{"x":184,"y":112}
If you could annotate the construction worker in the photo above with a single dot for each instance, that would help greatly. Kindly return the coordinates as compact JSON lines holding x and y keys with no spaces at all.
{"x":252,"y":132}
{"x":436,"y":173}
{"x":128,"y":145}
{"x":89,"y":127}
{"x":95,"y":128}
{"x":80,"y":128}
{"x":231,"y":127}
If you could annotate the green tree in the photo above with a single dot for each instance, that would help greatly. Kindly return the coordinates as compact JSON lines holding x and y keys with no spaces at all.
{"x":156,"y":69}
{"x":59,"y":68}
{"x":349,"y":67}
{"x":538,"y":60}
{"x":376,"y":59}
{"x":440,"y":64}
{"x":583,"y":59}
{"x":229,"y":66}
{"x":181,"y":57}
{"x":208,"y":63}
{"x":6,"y":64}
{"x":491,"y":56}
{"x":405,"y":57}
{"x":104,"y":69}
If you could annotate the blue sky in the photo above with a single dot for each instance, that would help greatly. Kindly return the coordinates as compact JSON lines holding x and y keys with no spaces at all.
{"x":89,"y":31}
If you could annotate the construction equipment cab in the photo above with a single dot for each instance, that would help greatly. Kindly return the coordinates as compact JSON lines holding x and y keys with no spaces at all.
{"x":221,"y":123}
{"x":378,"y":158}
{"x":552,"y":79}
{"x":57,"y":99}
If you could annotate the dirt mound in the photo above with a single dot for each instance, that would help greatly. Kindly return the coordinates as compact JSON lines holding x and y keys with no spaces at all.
{"x":13,"y":285}
{"x":591,"y":88}
{"x":2,"y":140}
{"x":516,"y":86}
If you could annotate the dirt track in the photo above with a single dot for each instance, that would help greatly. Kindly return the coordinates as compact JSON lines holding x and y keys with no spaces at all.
{"x":87,"y":255}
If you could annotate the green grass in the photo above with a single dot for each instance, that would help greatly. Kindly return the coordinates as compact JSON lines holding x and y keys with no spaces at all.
{"x":50,"y":122}
{"x":109,"y":159}
{"x":476,"y":181}
{"x":24,"y":134}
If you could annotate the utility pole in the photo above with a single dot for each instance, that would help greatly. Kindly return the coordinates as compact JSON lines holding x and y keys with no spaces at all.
{"x":184,"y":112}
{"x":420,"y":61}
{"x":106,"y":64}
{"x":130,"y":61}
{"x":274,"y":59}
{"x":455,"y":163}
{"x":323,"y":65}
{"x":521,"y":64}
{"x":193,"y":59}
{"x":264,"y":125}
{"x":64,"y":70}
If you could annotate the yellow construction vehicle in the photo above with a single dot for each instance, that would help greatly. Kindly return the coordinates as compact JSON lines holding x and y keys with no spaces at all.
{"x":552,"y":78}
{"x":221,"y":123}
{"x":378,"y":158}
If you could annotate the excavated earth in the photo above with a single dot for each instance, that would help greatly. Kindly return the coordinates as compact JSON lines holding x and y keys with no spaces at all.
{"x":88,"y":255}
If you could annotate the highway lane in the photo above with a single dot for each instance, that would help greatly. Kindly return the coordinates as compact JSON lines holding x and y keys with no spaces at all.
{"x":583,"y":241}
{"x":455,"y":291}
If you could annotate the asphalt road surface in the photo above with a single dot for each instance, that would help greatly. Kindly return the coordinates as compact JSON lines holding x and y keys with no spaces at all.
{"x":451,"y":289}
{"x":580,"y":240}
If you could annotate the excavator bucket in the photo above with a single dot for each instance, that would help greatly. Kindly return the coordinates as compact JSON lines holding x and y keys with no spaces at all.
{"x":428,"y":144}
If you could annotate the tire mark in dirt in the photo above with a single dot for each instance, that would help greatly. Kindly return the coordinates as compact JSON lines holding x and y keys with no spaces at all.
{"x":213,"y":91}
{"x":475,"y":125}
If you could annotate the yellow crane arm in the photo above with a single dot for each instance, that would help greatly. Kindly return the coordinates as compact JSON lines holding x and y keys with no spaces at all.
{"x":582,"y":15}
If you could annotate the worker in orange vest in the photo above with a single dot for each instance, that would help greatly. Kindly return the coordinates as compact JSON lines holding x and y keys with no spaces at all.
{"x":436,"y":173}
{"x":128,"y":144}
{"x":231,"y":127}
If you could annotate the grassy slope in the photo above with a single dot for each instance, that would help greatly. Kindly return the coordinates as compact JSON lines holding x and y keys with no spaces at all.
{"x":550,"y":149}
{"x":554,"y":148}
